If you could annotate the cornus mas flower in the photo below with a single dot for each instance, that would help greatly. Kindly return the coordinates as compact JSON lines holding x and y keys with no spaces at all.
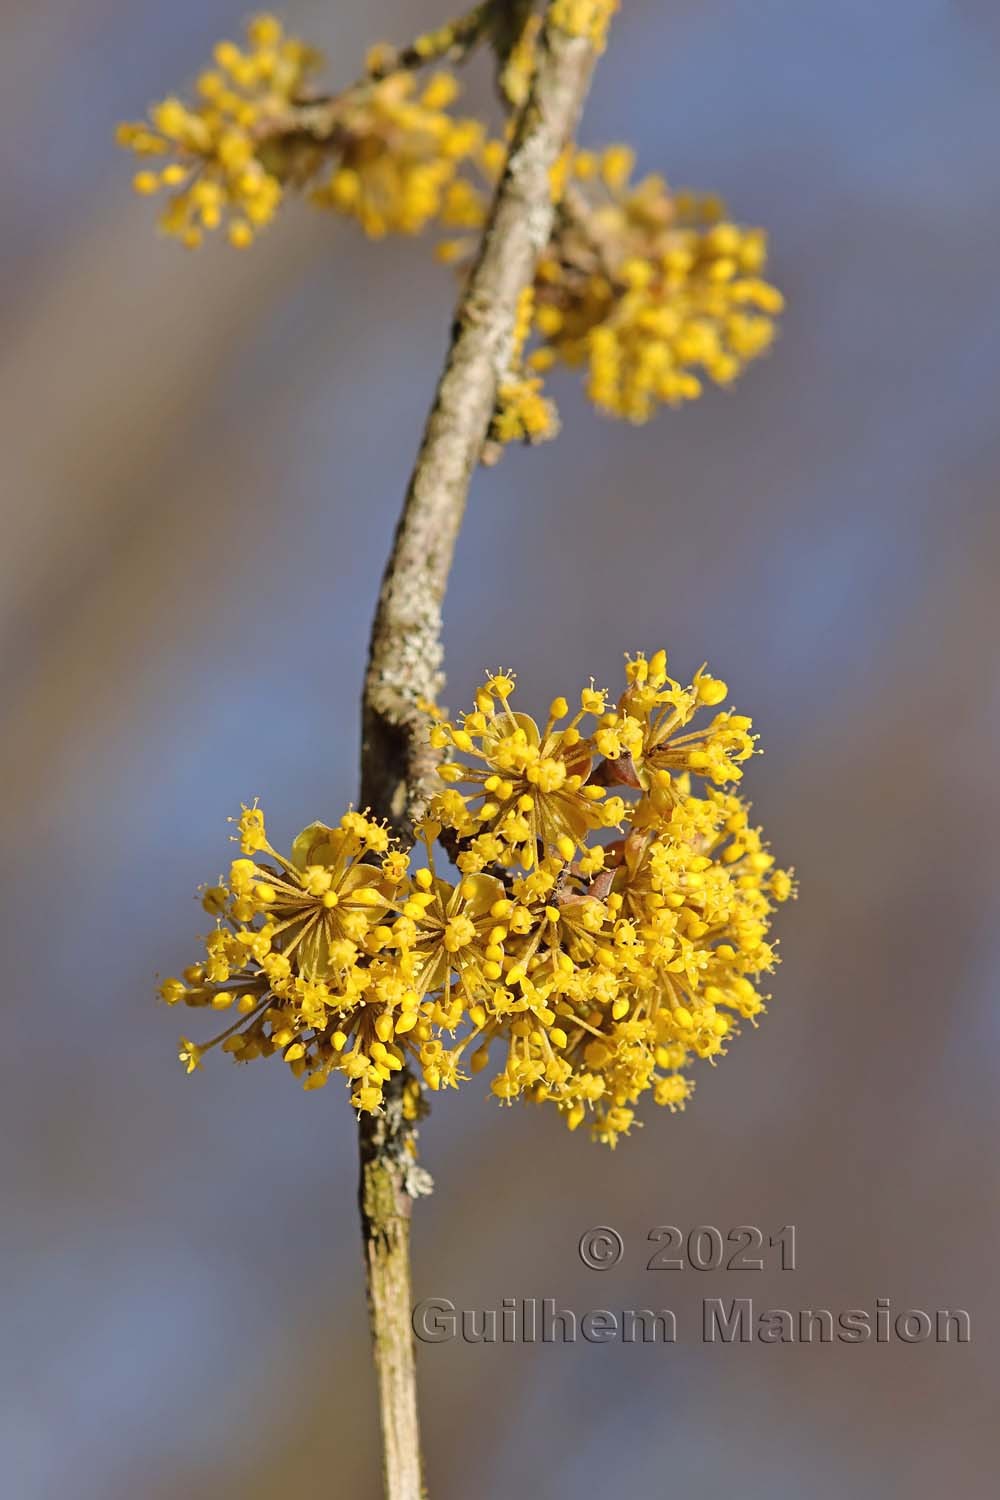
{"x":259,"y":125}
{"x":593,"y":944}
{"x":655,"y":709}
{"x":294,"y":953}
{"x":531,"y":785}
{"x":443,"y":938}
{"x":398,"y":151}
{"x":523,"y":414}
{"x":648,"y":290}
{"x":215,"y":170}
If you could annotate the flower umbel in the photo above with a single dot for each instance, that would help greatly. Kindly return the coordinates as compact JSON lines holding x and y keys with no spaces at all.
{"x":216,"y":169}
{"x":398,"y":150}
{"x":259,"y":125}
{"x":649,"y":290}
{"x":598,"y":967}
{"x":532,"y":791}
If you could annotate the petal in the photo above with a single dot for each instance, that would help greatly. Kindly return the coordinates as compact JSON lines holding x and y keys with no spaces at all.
{"x":306,"y":844}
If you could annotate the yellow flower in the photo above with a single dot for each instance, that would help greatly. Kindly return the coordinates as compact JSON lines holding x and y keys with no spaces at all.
{"x":522,"y":413}
{"x":531,"y":785}
{"x":189,"y":1055}
{"x":257,"y":127}
{"x":398,"y":155}
{"x":214,"y":150}
{"x":592,"y":972}
{"x":649,"y":291}
{"x":657,"y":708}
{"x":322,"y":904}
{"x":442,"y":937}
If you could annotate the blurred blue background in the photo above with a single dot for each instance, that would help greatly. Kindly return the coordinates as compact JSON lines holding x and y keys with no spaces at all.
{"x":203,"y":457}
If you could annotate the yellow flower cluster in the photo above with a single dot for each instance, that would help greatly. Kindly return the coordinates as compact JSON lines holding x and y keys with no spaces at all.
{"x":216,"y":172}
{"x":523,"y":414}
{"x":650,"y":291}
{"x":398,"y":151}
{"x":597,"y":968}
{"x":257,"y":127}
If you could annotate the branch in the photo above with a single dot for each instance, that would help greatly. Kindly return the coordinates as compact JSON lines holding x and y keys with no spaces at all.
{"x":317,"y":118}
{"x":398,"y":768}
{"x":453,"y":41}
{"x":390,"y":1180}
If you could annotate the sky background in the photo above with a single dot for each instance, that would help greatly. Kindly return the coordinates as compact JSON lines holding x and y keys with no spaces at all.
{"x":203,"y":457}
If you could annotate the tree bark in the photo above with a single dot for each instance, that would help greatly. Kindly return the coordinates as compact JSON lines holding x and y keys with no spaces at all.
{"x":390,"y":1180}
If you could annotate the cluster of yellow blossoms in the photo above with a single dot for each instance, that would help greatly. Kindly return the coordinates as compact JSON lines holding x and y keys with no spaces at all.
{"x":218,"y":170}
{"x":259,"y":125}
{"x":596,"y":969}
{"x":398,"y":152}
{"x":650,"y":292}
{"x":523,"y":413}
